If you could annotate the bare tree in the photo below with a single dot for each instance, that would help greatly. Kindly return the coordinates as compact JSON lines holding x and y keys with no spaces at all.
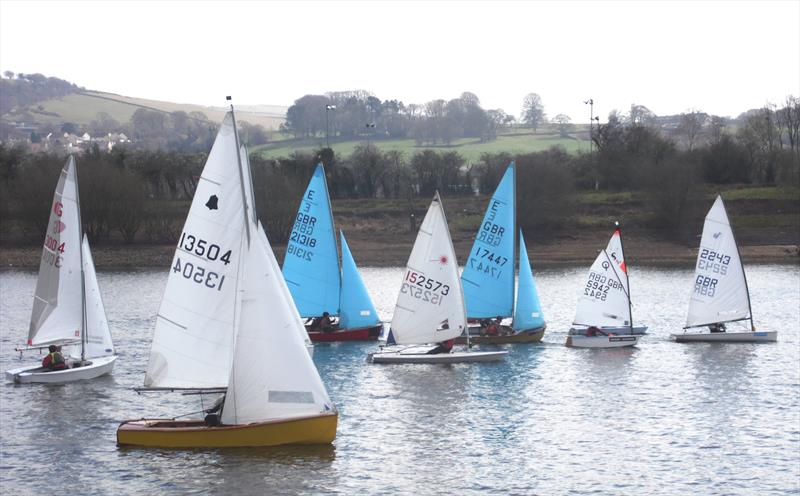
{"x":690,"y":126}
{"x":533,"y":111}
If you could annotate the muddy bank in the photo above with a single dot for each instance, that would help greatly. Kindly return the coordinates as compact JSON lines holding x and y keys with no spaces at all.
{"x":384,"y":251}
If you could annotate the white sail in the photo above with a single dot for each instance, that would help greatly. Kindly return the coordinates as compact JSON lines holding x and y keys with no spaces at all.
{"x":430,"y":307}
{"x":615,"y":253}
{"x":272,"y":376}
{"x":57,"y":303}
{"x":604,"y":296}
{"x":250,"y":196}
{"x":719,"y":293}
{"x":98,"y":335}
{"x":193,"y":340}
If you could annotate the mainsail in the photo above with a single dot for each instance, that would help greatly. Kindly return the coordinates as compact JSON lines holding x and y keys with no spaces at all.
{"x":311,"y":264}
{"x":604,"y":299}
{"x":430,"y":306}
{"x":720,"y":290}
{"x":488,"y":275}
{"x":528,"y":310}
{"x":357,"y":309}
{"x":57,"y":304}
{"x":193,"y":340}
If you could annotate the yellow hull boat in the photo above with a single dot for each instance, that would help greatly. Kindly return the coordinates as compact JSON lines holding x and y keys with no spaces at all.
{"x":168,"y":433}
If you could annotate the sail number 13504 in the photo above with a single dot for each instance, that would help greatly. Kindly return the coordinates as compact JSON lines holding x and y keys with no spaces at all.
{"x":202,"y":248}
{"x":198,"y":274}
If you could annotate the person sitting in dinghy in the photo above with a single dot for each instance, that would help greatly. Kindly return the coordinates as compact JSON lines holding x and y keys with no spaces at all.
{"x":54,"y":360}
{"x":443,"y":347}
{"x":323,"y":324}
{"x":716,"y":327}
{"x":594,"y":331}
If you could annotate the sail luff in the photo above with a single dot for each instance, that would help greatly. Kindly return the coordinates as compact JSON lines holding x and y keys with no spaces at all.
{"x":241,"y":177}
{"x":627,"y":276}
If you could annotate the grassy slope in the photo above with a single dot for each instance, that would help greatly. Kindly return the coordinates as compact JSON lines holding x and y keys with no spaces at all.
{"x":470,"y":149}
{"x":81,"y":108}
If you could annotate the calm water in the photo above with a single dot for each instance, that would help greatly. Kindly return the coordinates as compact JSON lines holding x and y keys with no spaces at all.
{"x":663,"y":418}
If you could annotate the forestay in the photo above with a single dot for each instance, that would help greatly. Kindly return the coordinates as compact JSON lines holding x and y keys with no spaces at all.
{"x":357,"y":309}
{"x":720,"y":289}
{"x":57,"y":303}
{"x":528,"y":310}
{"x":430,"y":306}
{"x":488,"y":276}
{"x":273,"y":376}
{"x":311,"y":264}
{"x":604,"y":297}
{"x":193,"y":340}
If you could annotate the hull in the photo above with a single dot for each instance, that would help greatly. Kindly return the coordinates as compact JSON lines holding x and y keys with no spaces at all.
{"x":602,"y":341}
{"x":526,"y":336}
{"x":619,"y":331}
{"x":167,"y":433}
{"x":726,"y":337}
{"x":36,"y":374}
{"x":360,"y":334}
{"x":417,"y":354}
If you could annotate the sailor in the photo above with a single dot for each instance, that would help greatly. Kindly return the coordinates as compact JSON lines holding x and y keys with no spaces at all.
{"x":325,"y":323}
{"x":443,"y":347}
{"x":716,"y":327}
{"x":54,"y":360}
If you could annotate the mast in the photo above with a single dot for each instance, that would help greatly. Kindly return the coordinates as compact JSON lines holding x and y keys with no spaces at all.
{"x":84,"y":331}
{"x":627,"y":278}
{"x":333,"y":233}
{"x":513,"y":236}
{"x":741,"y":264}
{"x":241,"y":173}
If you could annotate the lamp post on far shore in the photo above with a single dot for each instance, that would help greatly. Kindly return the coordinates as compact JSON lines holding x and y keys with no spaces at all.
{"x":327,"y":108}
{"x":592,"y":119}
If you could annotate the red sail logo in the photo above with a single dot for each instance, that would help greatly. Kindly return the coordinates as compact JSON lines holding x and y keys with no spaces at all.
{"x":58,"y":227}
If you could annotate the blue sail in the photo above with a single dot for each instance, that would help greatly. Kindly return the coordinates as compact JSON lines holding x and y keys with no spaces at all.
{"x":528,"y":312}
{"x":357,"y":309}
{"x":311,"y":264}
{"x":488,"y":277}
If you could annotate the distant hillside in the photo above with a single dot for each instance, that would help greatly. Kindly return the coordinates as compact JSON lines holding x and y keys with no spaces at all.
{"x":82,"y":107}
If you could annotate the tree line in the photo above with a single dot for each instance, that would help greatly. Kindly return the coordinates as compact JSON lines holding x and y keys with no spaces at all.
{"x":138,"y":195}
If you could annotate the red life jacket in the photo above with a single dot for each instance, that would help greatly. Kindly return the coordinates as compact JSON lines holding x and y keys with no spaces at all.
{"x":54,"y":361}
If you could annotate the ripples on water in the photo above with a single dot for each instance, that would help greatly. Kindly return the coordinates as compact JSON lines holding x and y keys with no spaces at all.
{"x":663,"y":418}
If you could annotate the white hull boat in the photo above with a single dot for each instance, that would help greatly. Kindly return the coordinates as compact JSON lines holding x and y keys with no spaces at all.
{"x":419,"y":354}
{"x":726,"y":337}
{"x":602,"y":341}
{"x":94,"y":367}
{"x":67,"y":309}
{"x":720,"y":295}
{"x":617,"y":330}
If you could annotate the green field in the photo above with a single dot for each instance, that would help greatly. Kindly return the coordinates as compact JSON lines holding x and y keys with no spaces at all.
{"x":82,"y":108}
{"x":471,"y":149}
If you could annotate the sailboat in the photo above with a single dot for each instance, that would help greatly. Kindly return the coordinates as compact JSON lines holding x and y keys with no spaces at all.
{"x":430,"y":306}
{"x":604,"y":307}
{"x":317,"y":282}
{"x":719,"y":293}
{"x":227,"y":324}
{"x":488,"y":276}
{"x":67,"y":307}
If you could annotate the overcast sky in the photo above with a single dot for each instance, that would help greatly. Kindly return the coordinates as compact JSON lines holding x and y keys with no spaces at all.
{"x":718,"y":57}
